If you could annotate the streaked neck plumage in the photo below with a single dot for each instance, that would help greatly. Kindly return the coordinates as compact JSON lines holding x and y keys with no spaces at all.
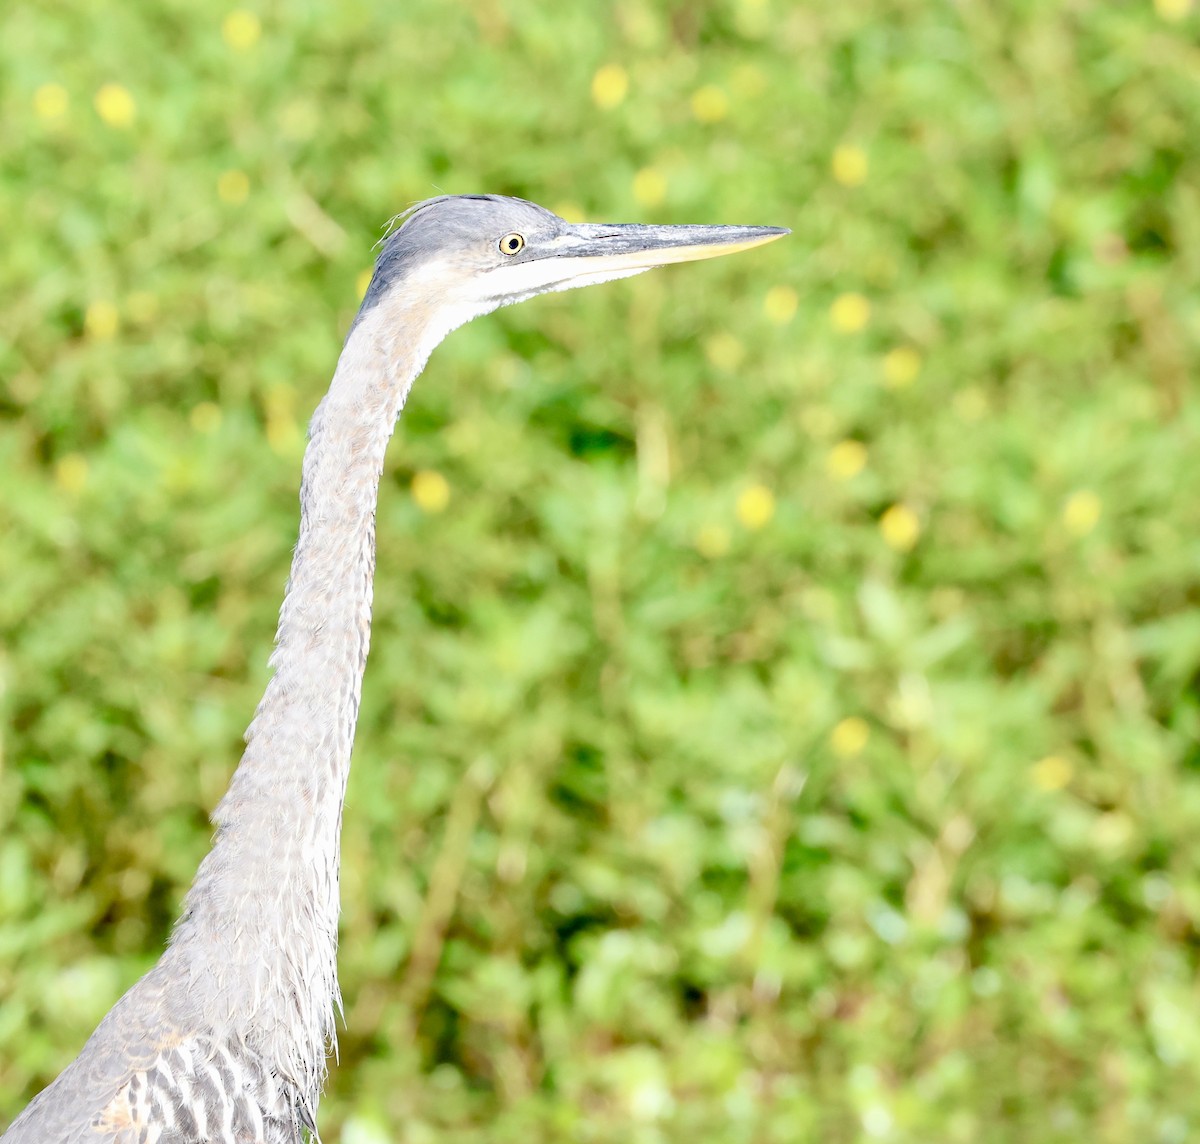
{"x":267,"y":893}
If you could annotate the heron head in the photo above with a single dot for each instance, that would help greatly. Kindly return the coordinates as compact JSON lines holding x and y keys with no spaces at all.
{"x":469,"y":254}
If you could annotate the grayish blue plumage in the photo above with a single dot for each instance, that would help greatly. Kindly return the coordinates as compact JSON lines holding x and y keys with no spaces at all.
{"x":226,"y":1038}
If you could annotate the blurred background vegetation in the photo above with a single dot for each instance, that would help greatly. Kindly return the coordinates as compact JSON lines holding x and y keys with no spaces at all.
{"x":782,"y":716}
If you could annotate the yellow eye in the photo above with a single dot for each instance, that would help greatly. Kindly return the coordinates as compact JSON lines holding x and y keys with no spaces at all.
{"x":512,"y":243}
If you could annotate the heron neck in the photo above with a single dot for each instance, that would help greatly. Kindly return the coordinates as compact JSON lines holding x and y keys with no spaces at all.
{"x":259,"y":928}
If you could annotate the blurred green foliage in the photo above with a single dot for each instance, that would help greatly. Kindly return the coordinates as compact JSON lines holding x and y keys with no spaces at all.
{"x":782,"y":716}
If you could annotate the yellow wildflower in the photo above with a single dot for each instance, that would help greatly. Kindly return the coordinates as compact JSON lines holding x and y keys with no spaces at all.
{"x":780,"y":304}
{"x":849,"y":165}
{"x":846,"y":459}
{"x":900,"y":527}
{"x":233,"y":187}
{"x":115,"y":105}
{"x":1051,"y":773}
{"x":101,"y":321}
{"x":724,"y":350}
{"x":901,"y":366}
{"x":610,"y":85}
{"x":431,"y":491}
{"x":1173,"y":11}
{"x":241,"y":30}
{"x":71,"y":473}
{"x":849,"y":313}
{"x":710,"y":104}
{"x":1082,"y":511}
{"x":756,"y":507}
{"x":849,"y":737}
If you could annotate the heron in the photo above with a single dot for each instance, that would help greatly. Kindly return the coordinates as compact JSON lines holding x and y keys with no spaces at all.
{"x":227,"y":1038}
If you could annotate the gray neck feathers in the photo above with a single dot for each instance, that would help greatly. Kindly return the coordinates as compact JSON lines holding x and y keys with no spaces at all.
{"x":257,"y":942}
